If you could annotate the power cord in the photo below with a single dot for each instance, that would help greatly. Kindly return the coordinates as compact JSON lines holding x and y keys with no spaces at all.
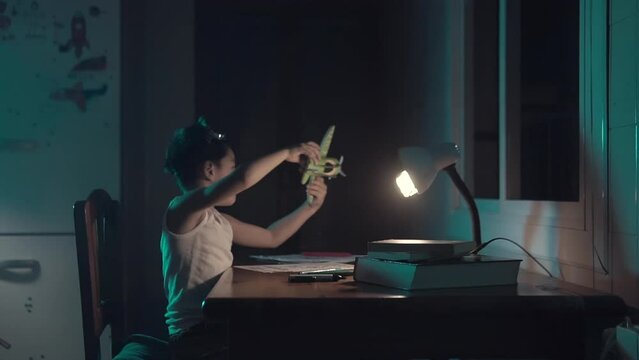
{"x":5,"y":344}
{"x":480,"y":247}
{"x":599,"y":259}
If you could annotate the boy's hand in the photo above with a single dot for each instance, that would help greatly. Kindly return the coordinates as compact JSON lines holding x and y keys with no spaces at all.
{"x":317,"y":189}
{"x":308,"y":149}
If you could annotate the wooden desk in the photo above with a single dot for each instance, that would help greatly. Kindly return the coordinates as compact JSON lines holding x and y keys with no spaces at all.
{"x":539,"y":318}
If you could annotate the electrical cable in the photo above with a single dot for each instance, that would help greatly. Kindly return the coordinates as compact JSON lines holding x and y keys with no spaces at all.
{"x":599,"y":259}
{"x":479,"y":248}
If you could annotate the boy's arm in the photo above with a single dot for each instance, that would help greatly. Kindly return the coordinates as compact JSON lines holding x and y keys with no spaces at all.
{"x":277,"y":233}
{"x":188,"y":209}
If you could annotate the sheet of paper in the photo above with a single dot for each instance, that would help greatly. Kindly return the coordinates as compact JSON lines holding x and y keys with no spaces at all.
{"x":296,"y":267}
{"x":299,"y":258}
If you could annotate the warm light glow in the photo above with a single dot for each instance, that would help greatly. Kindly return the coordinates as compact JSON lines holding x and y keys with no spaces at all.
{"x":405,"y":184}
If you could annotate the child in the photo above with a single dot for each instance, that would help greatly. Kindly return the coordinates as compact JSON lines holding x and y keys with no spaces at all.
{"x":196,"y":238}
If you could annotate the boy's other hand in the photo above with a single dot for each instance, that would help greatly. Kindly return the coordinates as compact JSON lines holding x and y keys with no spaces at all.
{"x":308,"y":149}
{"x":317,"y":189}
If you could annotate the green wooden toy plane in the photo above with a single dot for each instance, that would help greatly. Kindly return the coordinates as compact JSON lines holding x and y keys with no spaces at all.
{"x":327,"y":167}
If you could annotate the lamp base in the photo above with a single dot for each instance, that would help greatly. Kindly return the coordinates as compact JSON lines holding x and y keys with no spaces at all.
{"x":413,"y":250}
{"x":471,"y":257}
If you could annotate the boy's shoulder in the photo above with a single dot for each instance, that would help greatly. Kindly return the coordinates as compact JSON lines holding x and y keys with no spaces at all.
{"x":175,"y":202}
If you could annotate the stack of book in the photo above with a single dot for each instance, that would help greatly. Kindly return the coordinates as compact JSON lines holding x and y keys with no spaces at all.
{"x":431,"y":264}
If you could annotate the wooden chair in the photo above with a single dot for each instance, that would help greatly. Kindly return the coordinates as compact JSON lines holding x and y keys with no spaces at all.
{"x":100,"y":265}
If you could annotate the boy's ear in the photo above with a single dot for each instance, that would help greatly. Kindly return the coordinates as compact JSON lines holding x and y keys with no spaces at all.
{"x":209,"y":170}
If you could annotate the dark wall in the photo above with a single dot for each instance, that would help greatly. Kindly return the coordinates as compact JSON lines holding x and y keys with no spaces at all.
{"x":271,"y":74}
{"x":132,"y":185}
{"x":157,"y":98}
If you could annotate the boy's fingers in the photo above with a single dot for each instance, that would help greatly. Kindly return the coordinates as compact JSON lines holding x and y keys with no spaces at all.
{"x":318,"y":190}
{"x":313,"y":147}
{"x":311,"y":152}
{"x":317,"y":194}
{"x":318,"y":182}
{"x":317,"y":186}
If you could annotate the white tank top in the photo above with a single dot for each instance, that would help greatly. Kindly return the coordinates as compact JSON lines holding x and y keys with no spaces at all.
{"x":191,"y":263}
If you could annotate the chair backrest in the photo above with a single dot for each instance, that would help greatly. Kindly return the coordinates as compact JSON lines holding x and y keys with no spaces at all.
{"x":99,"y":251}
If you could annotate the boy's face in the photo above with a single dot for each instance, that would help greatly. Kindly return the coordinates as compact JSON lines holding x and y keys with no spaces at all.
{"x":225,"y":166}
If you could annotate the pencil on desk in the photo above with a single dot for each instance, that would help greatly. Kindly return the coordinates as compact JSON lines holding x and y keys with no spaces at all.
{"x":329,"y":271}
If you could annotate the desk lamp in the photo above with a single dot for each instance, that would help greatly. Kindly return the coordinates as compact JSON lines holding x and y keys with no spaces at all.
{"x":424,"y":165}
{"x":411,"y":264}
{"x":421,"y":166}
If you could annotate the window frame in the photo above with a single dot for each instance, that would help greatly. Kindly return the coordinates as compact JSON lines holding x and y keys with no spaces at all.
{"x":572,"y":222}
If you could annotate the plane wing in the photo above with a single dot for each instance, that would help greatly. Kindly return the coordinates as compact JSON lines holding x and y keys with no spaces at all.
{"x":326,"y":141}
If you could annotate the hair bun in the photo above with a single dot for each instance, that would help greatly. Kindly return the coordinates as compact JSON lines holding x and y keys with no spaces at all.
{"x":201,"y":121}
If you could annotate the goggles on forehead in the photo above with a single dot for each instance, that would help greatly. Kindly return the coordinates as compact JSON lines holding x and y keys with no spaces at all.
{"x":214,"y":135}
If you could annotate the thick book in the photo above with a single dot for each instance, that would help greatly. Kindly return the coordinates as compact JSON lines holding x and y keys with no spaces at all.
{"x":482,"y":271}
{"x":418,"y":249}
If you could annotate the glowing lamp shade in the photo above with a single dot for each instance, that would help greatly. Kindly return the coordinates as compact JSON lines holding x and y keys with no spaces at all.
{"x":405,"y":184}
{"x":421,"y":166}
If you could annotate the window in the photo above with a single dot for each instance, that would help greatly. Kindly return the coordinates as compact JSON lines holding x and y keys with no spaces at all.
{"x":525,"y":77}
{"x":523,"y":96}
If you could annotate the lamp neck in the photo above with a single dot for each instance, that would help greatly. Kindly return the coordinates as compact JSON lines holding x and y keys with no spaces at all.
{"x":474,"y":213}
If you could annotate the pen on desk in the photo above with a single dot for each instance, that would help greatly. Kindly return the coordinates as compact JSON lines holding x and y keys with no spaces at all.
{"x":329,"y":271}
{"x":314,"y":277}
